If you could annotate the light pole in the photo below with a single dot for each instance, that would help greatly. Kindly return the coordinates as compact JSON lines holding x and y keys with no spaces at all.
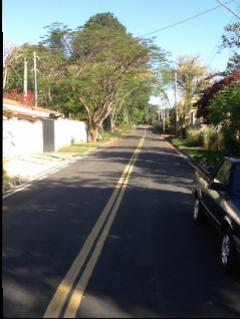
{"x":25,"y":80}
{"x":164,"y":118}
{"x":35,"y":77}
{"x":175,"y":98}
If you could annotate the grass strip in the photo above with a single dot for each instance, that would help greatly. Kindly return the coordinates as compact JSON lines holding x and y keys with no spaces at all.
{"x":196,"y":154}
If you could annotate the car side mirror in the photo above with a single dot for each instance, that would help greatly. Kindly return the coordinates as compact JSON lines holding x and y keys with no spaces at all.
{"x":218,"y":187}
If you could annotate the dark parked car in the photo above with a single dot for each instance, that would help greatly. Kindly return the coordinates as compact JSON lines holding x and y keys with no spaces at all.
{"x":217,"y":198}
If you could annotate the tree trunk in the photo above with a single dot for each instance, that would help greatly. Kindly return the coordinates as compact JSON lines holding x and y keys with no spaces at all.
{"x":112,"y":124}
{"x":93,"y":133}
{"x":5,"y":72}
{"x":112,"y":120}
{"x":109,"y":123}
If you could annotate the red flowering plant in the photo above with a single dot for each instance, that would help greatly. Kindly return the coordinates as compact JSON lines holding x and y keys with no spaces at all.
{"x":19,"y":97}
{"x":204,"y":101}
{"x":220,"y":107}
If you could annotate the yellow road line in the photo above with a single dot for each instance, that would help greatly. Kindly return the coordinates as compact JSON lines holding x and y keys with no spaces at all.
{"x":57,"y":303}
{"x":76,"y":298}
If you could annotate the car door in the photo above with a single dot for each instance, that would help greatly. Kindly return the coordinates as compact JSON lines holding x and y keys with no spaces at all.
{"x":215,"y":199}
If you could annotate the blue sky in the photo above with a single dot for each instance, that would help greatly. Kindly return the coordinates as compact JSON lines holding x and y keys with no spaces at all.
{"x":23,"y":21}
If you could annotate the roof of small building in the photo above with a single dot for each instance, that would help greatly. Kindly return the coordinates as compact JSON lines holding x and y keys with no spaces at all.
{"x":11,"y":107}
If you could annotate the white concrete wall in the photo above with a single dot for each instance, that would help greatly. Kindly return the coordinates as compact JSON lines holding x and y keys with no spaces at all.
{"x":21,"y":137}
{"x":67,"y":131}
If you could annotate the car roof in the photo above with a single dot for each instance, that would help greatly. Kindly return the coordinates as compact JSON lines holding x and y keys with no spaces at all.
{"x":233,"y":159}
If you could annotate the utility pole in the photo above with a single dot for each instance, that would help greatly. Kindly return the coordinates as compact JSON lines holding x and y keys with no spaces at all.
{"x":164,"y":118}
{"x":35,"y":78}
{"x":175,"y":95}
{"x":25,"y":80}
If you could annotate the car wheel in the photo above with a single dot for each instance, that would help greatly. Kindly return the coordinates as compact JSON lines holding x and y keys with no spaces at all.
{"x":198,"y":212}
{"x":228,"y":257}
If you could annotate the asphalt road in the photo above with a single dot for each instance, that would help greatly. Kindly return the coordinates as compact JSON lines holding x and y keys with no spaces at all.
{"x":112,"y":235}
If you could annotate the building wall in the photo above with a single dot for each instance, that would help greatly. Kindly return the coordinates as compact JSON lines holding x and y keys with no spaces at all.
{"x":22,"y":137}
{"x":68,"y":131}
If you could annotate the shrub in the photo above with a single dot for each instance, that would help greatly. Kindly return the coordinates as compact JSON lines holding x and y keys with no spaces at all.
{"x":5,"y":179}
{"x":19,"y":97}
{"x":213,"y":139}
{"x":194,"y":138}
{"x":231,"y":142}
{"x":224,"y":112}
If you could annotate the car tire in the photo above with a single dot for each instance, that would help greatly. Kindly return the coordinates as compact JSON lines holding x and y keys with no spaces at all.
{"x":228,"y":255}
{"x":198,"y":212}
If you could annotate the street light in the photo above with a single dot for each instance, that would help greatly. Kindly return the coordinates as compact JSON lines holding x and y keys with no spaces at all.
{"x":175,"y":96}
{"x":35,"y":57}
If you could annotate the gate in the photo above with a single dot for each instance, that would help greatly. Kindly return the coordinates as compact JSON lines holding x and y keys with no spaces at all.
{"x":48,"y":135}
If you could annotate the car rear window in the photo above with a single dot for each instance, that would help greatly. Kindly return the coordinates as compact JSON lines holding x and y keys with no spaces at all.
{"x":223,"y":173}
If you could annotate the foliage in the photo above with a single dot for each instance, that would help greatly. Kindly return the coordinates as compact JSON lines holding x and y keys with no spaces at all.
{"x":5,"y":179}
{"x":11,"y":56}
{"x":48,"y":72}
{"x":224,"y":112}
{"x":19,"y":97}
{"x":194,"y":137}
{"x":231,"y":40}
{"x":106,"y":68}
{"x":192,"y":79}
{"x":208,"y":94}
{"x":95,"y":72}
{"x":233,"y":64}
{"x":213,"y":139}
{"x":197,"y":154}
{"x":56,"y":38}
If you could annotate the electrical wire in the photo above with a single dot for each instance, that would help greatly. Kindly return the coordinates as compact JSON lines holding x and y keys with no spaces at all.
{"x":229,"y":9}
{"x":212,"y":56}
{"x":185,"y":20}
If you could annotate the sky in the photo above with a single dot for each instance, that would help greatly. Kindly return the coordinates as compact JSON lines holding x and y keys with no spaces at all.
{"x":24,"y":21}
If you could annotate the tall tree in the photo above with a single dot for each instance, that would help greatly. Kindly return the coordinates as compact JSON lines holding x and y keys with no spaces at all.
{"x":11,"y":55}
{"x":192,"y":79}
{"x":93,"y":72}
{"x":231,"y":40}
{"x":104,"y":58}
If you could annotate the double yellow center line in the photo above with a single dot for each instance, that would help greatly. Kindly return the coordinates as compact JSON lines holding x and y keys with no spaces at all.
{"x":69,"y":293}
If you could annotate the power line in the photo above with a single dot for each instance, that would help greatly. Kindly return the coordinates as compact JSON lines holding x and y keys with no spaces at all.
{"x":229,"y":9}
{"x":185,"y":20}
{"x":214,"y":51}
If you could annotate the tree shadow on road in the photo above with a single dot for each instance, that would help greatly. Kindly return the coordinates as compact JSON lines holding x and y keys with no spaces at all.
{"x":155,"y":263}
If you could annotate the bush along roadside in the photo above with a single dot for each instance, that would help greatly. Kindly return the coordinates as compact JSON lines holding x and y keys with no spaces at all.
{"x":196,"y":153}
{"x":9,"y":182}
